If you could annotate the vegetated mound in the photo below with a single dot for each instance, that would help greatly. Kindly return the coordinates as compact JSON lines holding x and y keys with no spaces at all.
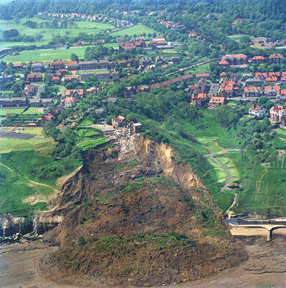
{"x":136,"y":214}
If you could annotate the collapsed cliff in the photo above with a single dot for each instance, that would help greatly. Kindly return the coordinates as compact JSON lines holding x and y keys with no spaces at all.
{"x":135,"y":213}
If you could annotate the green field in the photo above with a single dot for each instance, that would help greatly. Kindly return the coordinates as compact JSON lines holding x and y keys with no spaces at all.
{"x":82,"y":26}
{"x":4,"y":112}
{"x":138,"y":30}
{"x":46,"y":55}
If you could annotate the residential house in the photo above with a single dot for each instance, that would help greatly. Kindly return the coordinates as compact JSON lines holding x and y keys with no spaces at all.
{"x":236,"y":59}
{"x":37,"y":67}
{"x":103,"y":64}
{"x":86,"y":75}
{"x":272,"y":91}
{"x":34,"y":78}
{"x":54,"y":78}
{"x":131,"y":45}
{"x":261,"y":76}
{"x":46,"y":118}
{"x":271,"y":80}
{"x":216,"y":101}
{"x":119,"y":122}
{"x":229,"y":88}
{"x":252,"y":92}
{"x":203,"y":76}
{"x":13,"y":102}
{"x":18,"y":66}
{"x":199,"y":100}
{"x":275,"y":59}
{"x":115,"y":75}
{"x":257,"y":111}
{"x":70,"y":78}
{"x":88,"y":65}
{"x":72,"y":65}
{"x":35,"y":102}
{"x":70,"y":102}
{"x":277,"y":113}
{"x":75,"y":93}
{"x":29,"y":91}
{"x":252,"y":81}
{"x":222,"y":74}
{"x":223,"y":63}
{"x":282,"y":97}
{"x":186,"y":78}
{"x":57,"y":65}
{"x":6,"y":78}
{"x":103,"y":76}
{"x":122,"y":63}
{"x":258,"y":59}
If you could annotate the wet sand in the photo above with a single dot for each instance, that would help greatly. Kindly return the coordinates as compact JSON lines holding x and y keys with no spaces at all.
{"x":266,"y":267}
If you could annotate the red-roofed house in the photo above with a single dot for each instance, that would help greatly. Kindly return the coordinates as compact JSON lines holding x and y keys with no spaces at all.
{"x":223,"y":63}
{"x":252,"y":91}
{"x":271,"y":80}
{"x":70,"y":102}
{"x":277,"y":113}
{"x":74,"y":93}
{"x":72,"y":65}
{"x":56,"y":65}
{"x":258,"y":59}
{"x":236,"y":59}
{"x":71,"y":78}
{"x":47,"y":117}
{"x":261,"y":76}
{"x":282,"y":97}
{"x":222,"y":74}
{"x":275,"y":59}
{"x":203,"y":75}
{"x":199,"y":100}
{"x":17,"y":66}
{"x":216,"y":101}
{"x":272,"y":91}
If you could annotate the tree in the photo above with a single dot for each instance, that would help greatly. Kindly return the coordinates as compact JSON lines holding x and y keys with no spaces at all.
{"x":10,"y":33}
{"x":74,"y":57}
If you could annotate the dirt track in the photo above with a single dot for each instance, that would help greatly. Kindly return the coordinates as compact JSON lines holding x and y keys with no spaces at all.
{"x":266,"y":267}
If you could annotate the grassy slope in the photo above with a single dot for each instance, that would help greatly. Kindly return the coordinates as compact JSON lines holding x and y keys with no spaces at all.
{"x":139,"y":30}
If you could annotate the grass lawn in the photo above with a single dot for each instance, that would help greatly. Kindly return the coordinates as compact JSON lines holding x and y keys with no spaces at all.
{"x":33,"y":130}
{"x":139,"y":30}
{"x":41,"y":145}
{"x":33,"y":110}
{"x":46,"y":55}
{"x":15,"y":189}
{"x":4,"y":112}
{"x":82,"y":26}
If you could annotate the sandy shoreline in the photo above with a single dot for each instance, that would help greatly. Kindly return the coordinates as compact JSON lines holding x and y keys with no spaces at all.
{"x":266,"y":267}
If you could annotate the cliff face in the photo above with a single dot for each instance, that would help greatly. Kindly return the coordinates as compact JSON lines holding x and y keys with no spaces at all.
{"x":135,"y":213}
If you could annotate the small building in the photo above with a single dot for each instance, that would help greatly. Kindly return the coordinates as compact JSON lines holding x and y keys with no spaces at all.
{"x":29,"y":91}
{"x":257,"y":111}
{"x":203,"y":76}
{"x":71,"y":78}
{"x":275,"y":59}
{"x":70,"y":102}
{"x":85,"y":75}
{"x":57,"y":65}
{"x":119,"y":121}
{"x":75,"y":93}
{"x":137,"y":127}
{"x":272,"y":91}
{"x":103,"y":76}
{"x":252,"y":91}
{"x":18,"y":66}
{"x":13,"y":102}
{"x":233,"y":185}
{"x":72,"y":65}
{"x":258,"y":59}
{"x":277,"y":113}
{"x":6,"y":78}
{"x":37,"y":67}
{"x":46,"y":118}
{"x":216,"y":101}
{"x":199,"y":100}
{"x":223,"y":63}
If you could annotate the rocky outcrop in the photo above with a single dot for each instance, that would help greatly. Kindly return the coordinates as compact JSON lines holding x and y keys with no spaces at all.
{"x":10,"y":225}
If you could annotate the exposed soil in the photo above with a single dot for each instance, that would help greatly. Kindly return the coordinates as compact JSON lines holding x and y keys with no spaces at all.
{"x":137,"y":215}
